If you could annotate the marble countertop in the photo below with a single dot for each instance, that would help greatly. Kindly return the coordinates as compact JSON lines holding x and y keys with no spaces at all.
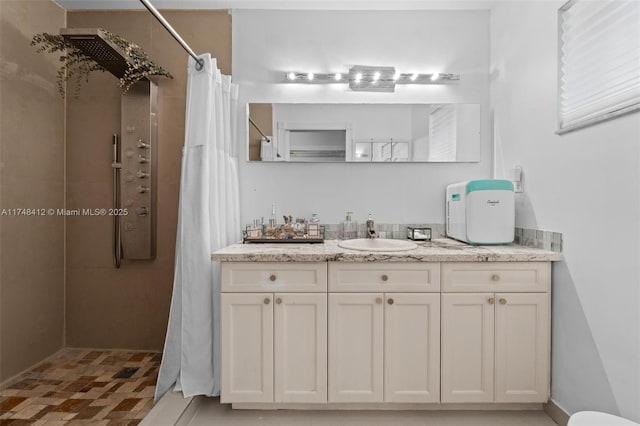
{"x":438,"y":250}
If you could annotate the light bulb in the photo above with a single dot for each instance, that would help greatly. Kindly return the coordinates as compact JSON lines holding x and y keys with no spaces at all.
{"x":396,"y":76}
{"x":376,"y":76}
{"x":435,"y":76}
{"x":338,"y":77}
{"x":358,"y":77}
{"x":414,"y":77}
{"x":310,"y":76}
{"x":291,"y":76}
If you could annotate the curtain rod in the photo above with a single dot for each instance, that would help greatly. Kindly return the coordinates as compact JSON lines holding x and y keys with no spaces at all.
{"x":253,"y":123}
{"x":168,"y":27}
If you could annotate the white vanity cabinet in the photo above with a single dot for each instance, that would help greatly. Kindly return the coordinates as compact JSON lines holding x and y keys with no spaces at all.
{"x":496,"y":340}
{"x":385,"y":332}
{"x":274,"y":343}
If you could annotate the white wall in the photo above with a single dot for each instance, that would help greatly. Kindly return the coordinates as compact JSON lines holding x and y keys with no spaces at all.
{"x":266,"y":44}
{"x":585,"y":184}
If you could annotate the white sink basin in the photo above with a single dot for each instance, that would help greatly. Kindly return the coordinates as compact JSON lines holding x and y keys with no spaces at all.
{"x":377,"y":244}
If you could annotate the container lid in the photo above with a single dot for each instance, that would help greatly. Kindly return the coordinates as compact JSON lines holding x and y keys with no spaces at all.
{"x":489,"y":184}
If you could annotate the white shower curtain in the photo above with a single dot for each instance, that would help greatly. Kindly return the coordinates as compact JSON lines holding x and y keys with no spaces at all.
{"x":208,"y":219}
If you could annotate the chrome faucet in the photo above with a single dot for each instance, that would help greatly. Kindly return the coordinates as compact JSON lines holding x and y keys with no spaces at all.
{"x":371,"y":232}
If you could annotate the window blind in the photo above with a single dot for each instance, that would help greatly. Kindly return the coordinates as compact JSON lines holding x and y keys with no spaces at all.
{"x":442,"y":133}
{"x":599,"y":61}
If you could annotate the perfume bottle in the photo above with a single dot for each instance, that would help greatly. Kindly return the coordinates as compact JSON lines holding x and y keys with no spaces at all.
{"x":349,"y":227}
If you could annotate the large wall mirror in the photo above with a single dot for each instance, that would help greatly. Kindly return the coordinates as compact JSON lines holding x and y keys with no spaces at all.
{"x":378,"y":133}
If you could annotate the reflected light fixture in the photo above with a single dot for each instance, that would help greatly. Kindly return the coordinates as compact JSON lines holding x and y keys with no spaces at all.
{"x":371,"y":78}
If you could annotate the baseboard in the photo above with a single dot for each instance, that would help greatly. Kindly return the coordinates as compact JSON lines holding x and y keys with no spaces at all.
{"x":391,"y":406}
{"x":556,"y":413}
{"x":169,"y":410}
{"x":189,"y":413}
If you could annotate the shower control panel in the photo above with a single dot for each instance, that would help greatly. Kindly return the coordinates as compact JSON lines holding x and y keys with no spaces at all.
{"x":138,"y":173}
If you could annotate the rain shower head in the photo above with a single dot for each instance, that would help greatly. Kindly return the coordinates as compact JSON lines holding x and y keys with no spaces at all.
{"x":94,"y":43}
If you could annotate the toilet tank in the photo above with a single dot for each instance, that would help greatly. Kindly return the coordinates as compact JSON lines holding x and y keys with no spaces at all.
{"x":481,"y":211}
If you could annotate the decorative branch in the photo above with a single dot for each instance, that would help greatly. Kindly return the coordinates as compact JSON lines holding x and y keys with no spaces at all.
{"x":75,"y":65}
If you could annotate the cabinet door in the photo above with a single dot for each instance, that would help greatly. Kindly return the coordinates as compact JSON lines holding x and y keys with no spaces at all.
{"x":247,"y":347}
{"x":467,"y":347}
{"x":300,"y":347}
{"x":412,"y":347}
{"x":522,"y":347}
{"x":355,"y":347}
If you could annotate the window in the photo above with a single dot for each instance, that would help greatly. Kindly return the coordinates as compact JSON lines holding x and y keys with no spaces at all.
{"x":599,"y":75}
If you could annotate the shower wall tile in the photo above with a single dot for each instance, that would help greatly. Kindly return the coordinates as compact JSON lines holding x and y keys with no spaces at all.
{"x":32,"y":176}
{"x":167,"y":223}
{"x":92,"y":122}
{"x":128,"y":307}
{"x":125,"y":299}
{"x":89,"y":238}
{"x":170,"y":137}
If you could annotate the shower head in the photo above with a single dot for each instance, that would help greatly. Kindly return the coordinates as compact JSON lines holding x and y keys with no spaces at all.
{"x":94,"y":43}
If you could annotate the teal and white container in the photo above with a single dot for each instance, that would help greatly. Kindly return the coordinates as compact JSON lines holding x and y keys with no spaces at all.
{"x":481,"y":211}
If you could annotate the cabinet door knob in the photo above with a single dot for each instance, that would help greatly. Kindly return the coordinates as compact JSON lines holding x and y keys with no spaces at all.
{"x":378,"y":300}
{"x":385,"y":278}
{"x":390,"y":301}
{"x":278,"y":300}
{"x":491,"y":300}
{"x":272,"y":277}
{"x":267,"y":300}
{"x":503,"y":301}
{"x":495,"y":277}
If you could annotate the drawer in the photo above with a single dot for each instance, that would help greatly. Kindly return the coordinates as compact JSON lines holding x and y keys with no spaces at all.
{"x":384,"y":276}
{"x":298,"y":277}
{"x":496,"y":276}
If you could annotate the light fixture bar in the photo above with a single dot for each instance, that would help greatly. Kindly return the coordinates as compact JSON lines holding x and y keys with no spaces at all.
{"x":370,"y":78}
{"x":314,"y":78}
{"x":435,"y":78}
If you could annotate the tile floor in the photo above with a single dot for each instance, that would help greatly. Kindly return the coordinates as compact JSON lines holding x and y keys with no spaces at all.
{"x":211,"y":412}
{"x":83,"y":387}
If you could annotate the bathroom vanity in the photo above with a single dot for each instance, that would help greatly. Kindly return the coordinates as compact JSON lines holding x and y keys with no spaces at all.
{"x":304,"y":325}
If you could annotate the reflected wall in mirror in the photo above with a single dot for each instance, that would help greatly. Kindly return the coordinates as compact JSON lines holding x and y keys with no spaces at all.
{"x":379,"y":133}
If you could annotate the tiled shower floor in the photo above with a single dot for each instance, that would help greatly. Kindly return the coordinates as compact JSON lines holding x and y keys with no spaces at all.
{"x":83,"y":387}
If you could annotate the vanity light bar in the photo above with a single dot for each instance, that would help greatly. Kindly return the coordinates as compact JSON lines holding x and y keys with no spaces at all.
{"x":399,"y":78}
{"x":368,"y":78}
